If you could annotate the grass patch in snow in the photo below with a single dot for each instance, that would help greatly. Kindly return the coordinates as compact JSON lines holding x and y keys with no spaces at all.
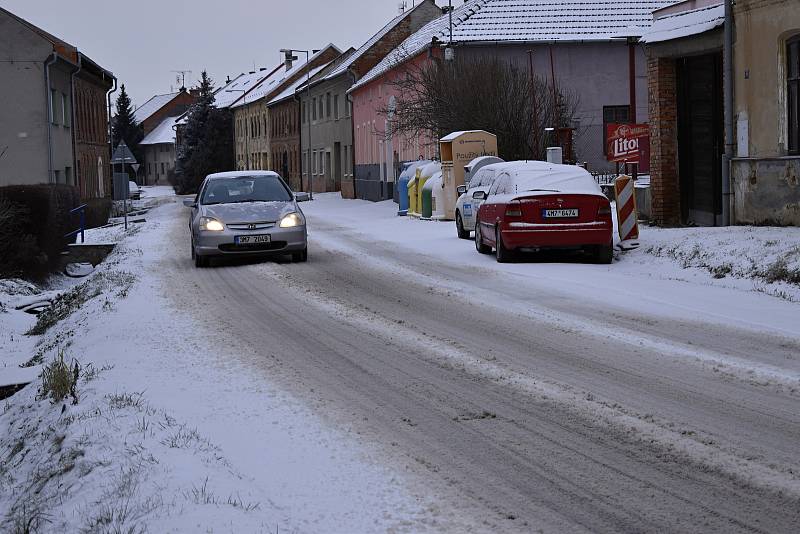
{"x":70,"y":301}
{"x":59,"y":380}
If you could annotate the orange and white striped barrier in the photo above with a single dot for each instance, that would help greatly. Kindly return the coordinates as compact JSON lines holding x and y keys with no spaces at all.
{"x":627,"y":219}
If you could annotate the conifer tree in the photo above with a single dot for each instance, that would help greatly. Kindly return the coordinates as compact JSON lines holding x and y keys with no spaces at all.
{"x":125,"y":126}
{"x":206,"y":141}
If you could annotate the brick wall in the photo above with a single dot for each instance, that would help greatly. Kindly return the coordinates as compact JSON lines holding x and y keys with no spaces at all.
{"x":663,"y":103}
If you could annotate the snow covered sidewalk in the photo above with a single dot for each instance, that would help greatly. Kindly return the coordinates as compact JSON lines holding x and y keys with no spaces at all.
{"x":170,"y":433}
{"x":746,"y":275}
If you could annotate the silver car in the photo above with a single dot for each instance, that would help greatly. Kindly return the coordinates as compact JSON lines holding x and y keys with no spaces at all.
{"x":246,"y":213}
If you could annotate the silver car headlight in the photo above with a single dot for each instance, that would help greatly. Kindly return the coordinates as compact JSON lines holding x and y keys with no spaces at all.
{"x":292,"y":220}
{"x":208,"y":224}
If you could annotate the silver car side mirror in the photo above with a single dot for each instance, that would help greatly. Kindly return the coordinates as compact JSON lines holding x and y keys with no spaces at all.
{"x":189,"y":203}
{"x":479,"y":195}
{"x":301,"y":196}
{"x":461,"y":189}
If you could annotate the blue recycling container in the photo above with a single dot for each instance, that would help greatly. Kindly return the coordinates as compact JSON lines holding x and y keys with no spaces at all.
{"x":402,"y":187}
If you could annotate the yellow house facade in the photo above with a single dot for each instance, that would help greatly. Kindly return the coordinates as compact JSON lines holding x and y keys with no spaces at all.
{"x":767,"y":94}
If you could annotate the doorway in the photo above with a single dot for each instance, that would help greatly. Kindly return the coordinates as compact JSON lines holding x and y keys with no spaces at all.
{"x":337,"y":167}
{"x":700,"y":138}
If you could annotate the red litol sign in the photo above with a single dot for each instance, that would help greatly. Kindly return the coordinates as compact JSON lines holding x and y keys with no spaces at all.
{"x":629,"y":142}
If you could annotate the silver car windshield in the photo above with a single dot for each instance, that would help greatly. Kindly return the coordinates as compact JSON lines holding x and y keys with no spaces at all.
{"x":246,"y":189}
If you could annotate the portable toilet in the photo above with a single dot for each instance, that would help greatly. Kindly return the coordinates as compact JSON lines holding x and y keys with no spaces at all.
{"x":428,"y":192}
{"x":457,"y":150}
{"x":426,"y":172}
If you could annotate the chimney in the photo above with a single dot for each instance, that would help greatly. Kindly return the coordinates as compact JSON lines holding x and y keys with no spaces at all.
{"x":262,"y":69}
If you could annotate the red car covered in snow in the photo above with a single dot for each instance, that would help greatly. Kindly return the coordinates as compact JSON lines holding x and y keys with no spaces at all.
{"x":536,"y":205}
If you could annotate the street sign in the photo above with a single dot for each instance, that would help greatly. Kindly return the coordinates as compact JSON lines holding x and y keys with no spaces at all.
{"x":135,"y":167}
{"x":121,"y":180}
{"x":122,"y":154}
{"x":629,"y":142}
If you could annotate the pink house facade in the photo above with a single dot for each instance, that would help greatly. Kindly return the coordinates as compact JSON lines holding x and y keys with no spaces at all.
{"x":377,"y":151}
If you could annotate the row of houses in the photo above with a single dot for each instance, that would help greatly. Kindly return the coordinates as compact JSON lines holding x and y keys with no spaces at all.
{"x":321,"y":120}
{"x":54,"y":109}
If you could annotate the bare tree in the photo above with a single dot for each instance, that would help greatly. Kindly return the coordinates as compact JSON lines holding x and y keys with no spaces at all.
{"x":479,"y":93}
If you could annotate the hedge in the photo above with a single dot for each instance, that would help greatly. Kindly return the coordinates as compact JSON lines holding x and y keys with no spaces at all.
{"x":36,"y":219}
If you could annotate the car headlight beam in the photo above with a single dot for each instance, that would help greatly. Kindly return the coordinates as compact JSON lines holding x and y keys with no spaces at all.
{"x":211,"y":225}
{"x":292,"y":220}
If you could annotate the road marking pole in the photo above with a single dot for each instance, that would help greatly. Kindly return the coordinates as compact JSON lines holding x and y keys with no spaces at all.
{"x":627,"y":223}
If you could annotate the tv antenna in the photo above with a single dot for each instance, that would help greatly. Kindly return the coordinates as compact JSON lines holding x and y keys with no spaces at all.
{"x":182,"y":75}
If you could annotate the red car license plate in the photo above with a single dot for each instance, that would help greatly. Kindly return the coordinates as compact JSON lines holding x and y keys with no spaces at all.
{"x":561,"y":214}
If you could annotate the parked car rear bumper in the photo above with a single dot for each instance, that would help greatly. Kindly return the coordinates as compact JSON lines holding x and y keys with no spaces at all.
{"x":523,"y":235}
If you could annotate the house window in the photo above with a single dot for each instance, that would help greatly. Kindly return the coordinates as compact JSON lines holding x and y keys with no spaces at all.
{"x":321,"y":108}
{"x":54,"y":102}
{"x":613,"y":115}
{"x":793,"y":92}
{"x":305,"y":117}
{"x":314,"y":110}
{"x":66,"y":112}
{"x":336,"y":107}
{"x":328,"y":104}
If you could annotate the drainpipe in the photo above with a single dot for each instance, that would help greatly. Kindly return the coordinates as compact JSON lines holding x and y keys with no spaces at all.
{"x":349,"y":98}
{"x":727,"y":58}
{"x":108,"y":139}
{"x":49,"y":101}
{"x":74,"y":123}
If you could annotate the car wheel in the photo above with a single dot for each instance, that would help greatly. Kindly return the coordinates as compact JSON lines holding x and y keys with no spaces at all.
{"x":462,"y":232}
{"x":502,"y":253}
{"x":479,"y":246}
{"x":604,"y":254}
{"x":200,"y":261}
{"x":300,"y":257}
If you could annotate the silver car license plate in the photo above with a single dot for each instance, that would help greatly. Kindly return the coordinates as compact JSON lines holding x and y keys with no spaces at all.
{"x":252,"y":239}
{"x":561,"y":214}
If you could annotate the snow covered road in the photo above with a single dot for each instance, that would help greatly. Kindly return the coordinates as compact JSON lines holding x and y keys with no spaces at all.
{"x":536,"y":396}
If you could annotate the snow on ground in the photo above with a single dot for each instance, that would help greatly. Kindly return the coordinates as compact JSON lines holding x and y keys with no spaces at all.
{"x":169,"y":432}
{"x":713,"y":274}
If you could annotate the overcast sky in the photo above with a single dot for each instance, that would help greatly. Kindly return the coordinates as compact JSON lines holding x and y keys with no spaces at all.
{"x":142,"y":46}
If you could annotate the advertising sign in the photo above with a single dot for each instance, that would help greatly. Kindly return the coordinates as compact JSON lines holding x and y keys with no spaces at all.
{"x":629,"y":142}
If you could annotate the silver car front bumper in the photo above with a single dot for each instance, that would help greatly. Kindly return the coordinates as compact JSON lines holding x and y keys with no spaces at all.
{"x":282,"y":241}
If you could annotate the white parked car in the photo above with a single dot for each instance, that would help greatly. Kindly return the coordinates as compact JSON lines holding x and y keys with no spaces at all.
{"x":467,"y":205}
{"x":134,"y":193}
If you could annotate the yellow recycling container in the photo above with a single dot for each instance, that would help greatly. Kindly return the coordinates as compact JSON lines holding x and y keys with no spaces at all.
{"x":413,"y":184}
{"x":424,"y":175}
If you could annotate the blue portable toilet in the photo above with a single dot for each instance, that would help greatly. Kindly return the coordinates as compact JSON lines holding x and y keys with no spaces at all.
{"x":402,"y":185}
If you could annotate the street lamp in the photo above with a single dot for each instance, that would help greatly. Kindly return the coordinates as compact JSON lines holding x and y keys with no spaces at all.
{"x":288,"y":55}
{"x":246,"y":128}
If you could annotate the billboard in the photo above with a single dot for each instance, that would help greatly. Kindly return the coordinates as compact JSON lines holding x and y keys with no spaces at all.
{"x":629,"y":142}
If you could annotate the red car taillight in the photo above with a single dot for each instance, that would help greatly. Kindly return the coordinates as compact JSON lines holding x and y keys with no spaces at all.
{"x":604,"y":211}
{"x":514,"y":209}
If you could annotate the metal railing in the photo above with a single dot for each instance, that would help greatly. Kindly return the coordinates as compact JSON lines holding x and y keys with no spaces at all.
{"x":82,"y":211}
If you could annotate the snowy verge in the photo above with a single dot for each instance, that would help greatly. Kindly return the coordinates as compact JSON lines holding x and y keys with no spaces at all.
{"x":169,"y":432}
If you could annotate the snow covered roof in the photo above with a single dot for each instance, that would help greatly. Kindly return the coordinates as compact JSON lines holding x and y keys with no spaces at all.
{"x":162,"y":134}
{"x":478,"y":21}
{"x":363,"y":49}
{"x":153,"y":105}
{"x":275,"y":81}
{"x":417,"y":42}
{"x":232,"y":92}
{"x":686,"y":23}
{"x":452,"y":136}
{"x":289,"y":91}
